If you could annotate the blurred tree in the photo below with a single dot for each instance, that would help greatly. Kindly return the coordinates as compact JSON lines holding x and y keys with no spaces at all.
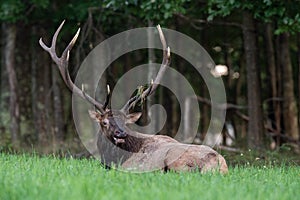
{"x":264,"y":29}
{"x":287,"y":20}
{"x":10,"y":31}
{"x":12,"y":12}
{"x":255,"y":124}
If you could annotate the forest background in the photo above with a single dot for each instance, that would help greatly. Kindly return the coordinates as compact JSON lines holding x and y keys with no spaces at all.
{"x":257,"y":41}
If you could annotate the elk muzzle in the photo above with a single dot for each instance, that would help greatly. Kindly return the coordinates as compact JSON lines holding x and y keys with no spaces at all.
{"x":119,"y":136}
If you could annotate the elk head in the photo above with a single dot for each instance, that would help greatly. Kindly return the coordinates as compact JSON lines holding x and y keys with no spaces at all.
{"x":112,"y":122}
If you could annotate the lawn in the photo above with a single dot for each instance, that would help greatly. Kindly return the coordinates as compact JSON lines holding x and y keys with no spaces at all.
{"x":33,"y":177}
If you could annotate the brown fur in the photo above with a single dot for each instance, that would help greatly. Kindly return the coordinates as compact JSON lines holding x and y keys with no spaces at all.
{"x":176,"y":156}
{"x":146,"y":153}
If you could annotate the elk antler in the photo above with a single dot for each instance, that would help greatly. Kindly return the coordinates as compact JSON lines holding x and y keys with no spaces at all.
{"x":63,"y":62}
{"x":107,"y":101}
{"x":153,"y":85}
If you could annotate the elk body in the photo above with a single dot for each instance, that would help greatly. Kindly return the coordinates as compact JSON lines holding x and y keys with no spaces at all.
{"x":118,"y":144}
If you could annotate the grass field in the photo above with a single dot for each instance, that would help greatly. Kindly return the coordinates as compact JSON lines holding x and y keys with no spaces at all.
{"x":33,"y":177}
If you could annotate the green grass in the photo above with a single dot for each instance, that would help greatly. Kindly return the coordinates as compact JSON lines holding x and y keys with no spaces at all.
{"x":33,"y":177}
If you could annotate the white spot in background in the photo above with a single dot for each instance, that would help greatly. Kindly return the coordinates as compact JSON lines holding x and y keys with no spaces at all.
{"x":217,"y":48}
{"x":236,"y":75}
{"x":219,"y":70}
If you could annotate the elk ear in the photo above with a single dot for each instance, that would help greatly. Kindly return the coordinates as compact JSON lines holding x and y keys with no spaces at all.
{"x":133,"y":117}
{"x":95,"y":115}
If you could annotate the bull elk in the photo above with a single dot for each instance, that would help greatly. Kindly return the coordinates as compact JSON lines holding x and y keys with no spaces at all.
{"x":130,"y":149}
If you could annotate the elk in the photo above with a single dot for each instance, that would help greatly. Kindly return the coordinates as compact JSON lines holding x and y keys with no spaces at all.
{"x":131,"y":150}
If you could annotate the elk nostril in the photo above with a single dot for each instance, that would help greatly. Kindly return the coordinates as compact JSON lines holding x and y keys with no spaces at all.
{"x":120,"y":134}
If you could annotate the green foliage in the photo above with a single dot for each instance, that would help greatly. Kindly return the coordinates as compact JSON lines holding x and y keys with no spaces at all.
{"x":284,"y":13}
{"x":40,"y":3}
{"x":11,"y":11}
{"x":14,"y":10}
{"x":79,"y":11}
{"x":289,"y":24}
{"x":153,"y":10}
{"x":25,"y":177}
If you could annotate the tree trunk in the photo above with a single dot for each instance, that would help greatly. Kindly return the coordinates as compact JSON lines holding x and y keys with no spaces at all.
{"x":204,"y":108}
{"x":58,"y":109}
{"x":44,"y":104}
{"x":255,"y":125}
{"x":34,"y":91}
{"x":241,"y":125}
{"x":290,"y":112}
{"x":279,"y":77}
{"x":1,"y":88}
{"x":299,"y":80}
{"x":10,"y":33}
{"x":271,"y":66}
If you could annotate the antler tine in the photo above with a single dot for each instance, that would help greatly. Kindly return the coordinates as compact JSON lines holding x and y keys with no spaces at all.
{"x":107,"y":101}
{"x":51,"y":50}
{"x":62,"y":63}
{"x":165,"y":62}
{"x":66,"y":52}
{"x":153,"y":86}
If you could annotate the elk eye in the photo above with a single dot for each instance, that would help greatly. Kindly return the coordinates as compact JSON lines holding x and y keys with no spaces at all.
{"x":105,"y":123}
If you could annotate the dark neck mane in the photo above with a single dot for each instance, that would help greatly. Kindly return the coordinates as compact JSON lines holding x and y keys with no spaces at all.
{"x":133,"y":143}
